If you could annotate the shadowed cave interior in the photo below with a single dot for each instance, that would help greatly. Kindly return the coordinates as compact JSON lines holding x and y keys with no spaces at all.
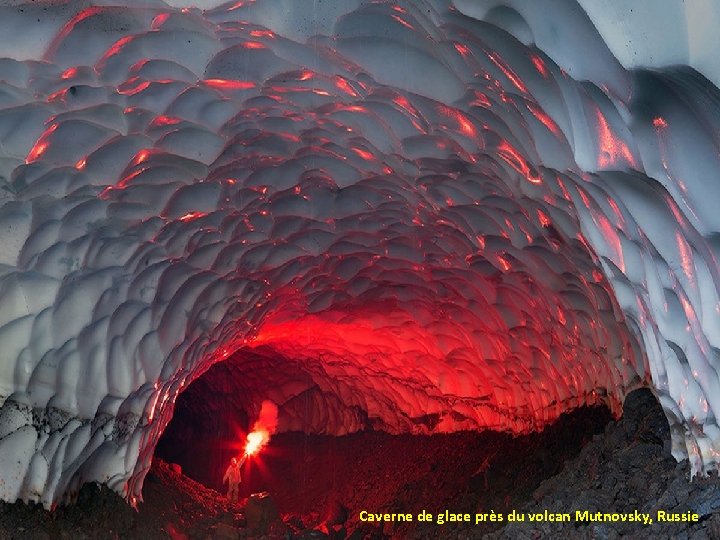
{"x":308,"y":474}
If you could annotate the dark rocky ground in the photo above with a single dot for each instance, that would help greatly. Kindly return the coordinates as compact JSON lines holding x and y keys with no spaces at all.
{"x":318,"y":486}
{"x":626,"y":468}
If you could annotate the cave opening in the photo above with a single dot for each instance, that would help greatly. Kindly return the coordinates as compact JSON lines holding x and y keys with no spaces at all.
{"x":312,"y":472}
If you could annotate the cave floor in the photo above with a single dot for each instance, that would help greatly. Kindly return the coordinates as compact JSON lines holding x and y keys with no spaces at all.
{"x":319,"y":485}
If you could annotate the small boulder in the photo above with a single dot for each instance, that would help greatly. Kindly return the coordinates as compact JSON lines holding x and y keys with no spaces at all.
{"x":260,"y":512}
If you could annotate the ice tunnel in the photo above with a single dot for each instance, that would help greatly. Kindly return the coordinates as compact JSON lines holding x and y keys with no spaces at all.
{"x":419,"y":216}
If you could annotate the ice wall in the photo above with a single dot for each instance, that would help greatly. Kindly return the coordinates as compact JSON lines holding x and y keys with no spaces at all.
{"x":426,"y":220}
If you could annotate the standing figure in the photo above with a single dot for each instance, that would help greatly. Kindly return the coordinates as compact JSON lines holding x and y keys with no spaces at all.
{"x":232,"y":477}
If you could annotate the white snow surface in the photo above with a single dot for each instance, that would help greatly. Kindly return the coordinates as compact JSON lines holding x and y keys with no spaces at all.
{"x":449,"y":217}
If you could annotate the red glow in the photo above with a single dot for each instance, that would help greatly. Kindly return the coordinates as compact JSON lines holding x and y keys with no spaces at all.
{"x":240,"y":4}
{"x":70,"y":26}
{"x":540,"y":65}
{"x":165,"y":121}
{"x":659,"y":122}
{"x":509,"y":73}
{"x":264,"y":427}
{"x":80,"y":165}
{"x":57,"y":96}
{"x":611,"y":237}
{"x":564,"y":190}
{"x":616,"y":209}
{"x":405,"y":104}
{"x":159,"y":20}
{"x":133,"y":86}
{"x":361,"y":337}
{"x":686,"y":258}
{"x":263,"y":33}
{"x":256,"y":440}
{"x":504,"y":263}
{"x":481,"y":100}
{"x":351,"y":108}
{"x":462,"y":49}
{"x":367,"y":156}
{"x":253,"y":45}
{"x":125,"y":181}
{"x":112,"y":51}
{"x":192,"y":216}
{"x":344,"y":86}
{"x":226,"y":84}
{"x":143,"y":155}
{"x":137,"y":66}
{"x":612,"y":148}
{"x":404,"y":23}
{"x":584,"y":198}
{"x":544,"y":118}
{"x":464,"y":124}
{"x":122,"y":184}
{"x":69,"y":73}
{"x":544,"y":220}
{"x":36,"y":151}
{"x":513,"y":158}
{"x":41,"y":145}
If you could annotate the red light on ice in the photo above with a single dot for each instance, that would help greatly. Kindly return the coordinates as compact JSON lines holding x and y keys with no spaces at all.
{"x":253,"y":45}
{"x":225,"y":84}
{"x":69,"y":73}
{"x":539,"y":65}
{"x":192,"y":216}
{"x":659,"y":122}
{"x":612,"y":148}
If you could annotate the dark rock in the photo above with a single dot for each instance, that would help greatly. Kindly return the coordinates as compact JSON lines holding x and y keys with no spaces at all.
{"x":294,"y":521}
{"x":260,"y":512}
{"x":627,"y":469}
{"x":644,"y":419}
{"x":223,"y":531}
{"x":312,"y":535}
{"x":705,"y":501}
{"x":337,"y":514}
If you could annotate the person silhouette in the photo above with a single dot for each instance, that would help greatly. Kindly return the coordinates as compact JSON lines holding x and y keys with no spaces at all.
{"x":232,"y":477}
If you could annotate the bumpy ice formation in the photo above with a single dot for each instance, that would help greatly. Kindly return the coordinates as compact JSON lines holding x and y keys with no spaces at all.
{"x":416,"y":216}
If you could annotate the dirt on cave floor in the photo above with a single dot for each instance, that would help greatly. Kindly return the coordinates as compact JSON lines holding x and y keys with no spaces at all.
{"x":317,"y":486}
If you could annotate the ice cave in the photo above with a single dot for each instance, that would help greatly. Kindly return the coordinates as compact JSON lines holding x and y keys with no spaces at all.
{"x":414,"y":217}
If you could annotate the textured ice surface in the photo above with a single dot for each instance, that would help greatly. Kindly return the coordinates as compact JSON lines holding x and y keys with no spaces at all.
{"x":425,"y":220}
